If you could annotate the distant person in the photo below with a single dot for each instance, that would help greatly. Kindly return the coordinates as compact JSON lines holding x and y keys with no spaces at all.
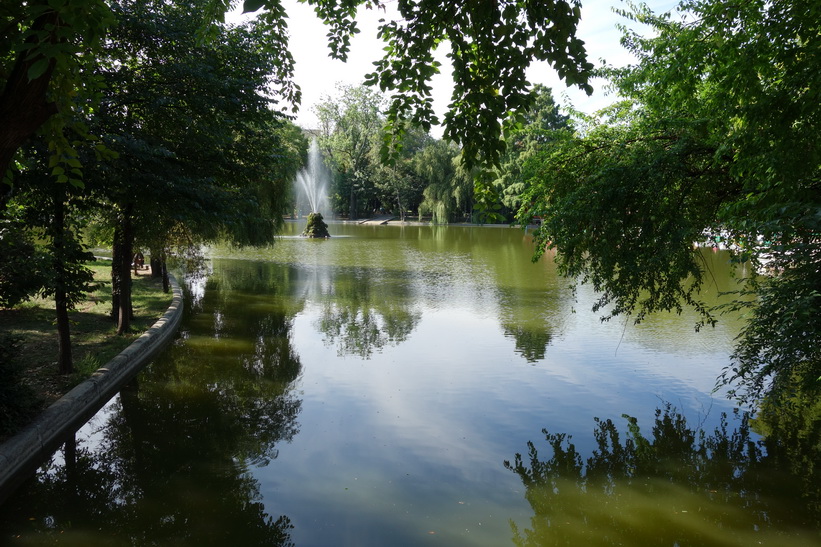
{"x":138,"y":262}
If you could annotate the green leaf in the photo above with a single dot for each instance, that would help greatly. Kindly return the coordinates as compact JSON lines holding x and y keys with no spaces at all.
{"x":251,"y":6}
{"x":37,"y":69}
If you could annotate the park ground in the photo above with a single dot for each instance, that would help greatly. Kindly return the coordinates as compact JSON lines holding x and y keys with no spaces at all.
{"x":93,"y":335}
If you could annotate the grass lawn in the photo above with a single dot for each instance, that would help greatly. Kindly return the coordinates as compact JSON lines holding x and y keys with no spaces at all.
{"x":93,"y":336}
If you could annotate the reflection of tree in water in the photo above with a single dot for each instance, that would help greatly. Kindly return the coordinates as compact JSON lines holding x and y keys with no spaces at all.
{"x":680,"y":487}
{"x":171,"y":467}
{"x":365,"y":313}
{"x":531,"y":310}
{"x":531,"y":340}
{"x":173,"y":463}
{"x":791,"y":425}
{"x":531,"y":317}
{"x":101,"y":488}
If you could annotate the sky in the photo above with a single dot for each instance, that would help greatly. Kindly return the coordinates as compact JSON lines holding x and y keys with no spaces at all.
{"x":317,"y":74}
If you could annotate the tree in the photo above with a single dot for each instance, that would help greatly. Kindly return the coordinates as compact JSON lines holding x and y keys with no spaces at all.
{"x":492,"y":43}
{"x":397,"y":181}
{"x":350,"y":126}
{"x":448,"y":191}
{"x":708,"y":143}
{"x":500,"y":187}
{"x":43,"y":52}
{"x":49,"y":211}
{"x":201,"y":153}
{"x":44,"y":47}
{"x":537,"y":129}
{"x":72,"y":280}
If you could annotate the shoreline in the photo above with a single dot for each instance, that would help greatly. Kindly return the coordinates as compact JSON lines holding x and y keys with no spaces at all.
{"x":22,"y":454}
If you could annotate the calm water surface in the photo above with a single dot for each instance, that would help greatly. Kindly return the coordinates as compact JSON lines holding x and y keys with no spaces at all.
{"x":369,"y":390}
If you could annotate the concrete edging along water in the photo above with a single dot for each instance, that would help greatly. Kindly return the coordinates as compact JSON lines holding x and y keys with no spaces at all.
{"x":22,"y":454}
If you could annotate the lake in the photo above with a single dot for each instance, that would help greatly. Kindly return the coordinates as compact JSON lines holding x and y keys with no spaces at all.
{"x":376,"y":387}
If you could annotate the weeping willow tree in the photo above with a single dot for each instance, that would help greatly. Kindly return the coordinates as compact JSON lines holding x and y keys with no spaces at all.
{"x":450,"y":183}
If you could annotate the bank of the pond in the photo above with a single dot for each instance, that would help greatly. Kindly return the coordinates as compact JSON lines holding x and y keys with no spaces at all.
{"x":24,"y":452}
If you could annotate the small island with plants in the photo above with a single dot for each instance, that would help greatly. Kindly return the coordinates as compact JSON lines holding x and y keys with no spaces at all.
{"x":316,"y":226}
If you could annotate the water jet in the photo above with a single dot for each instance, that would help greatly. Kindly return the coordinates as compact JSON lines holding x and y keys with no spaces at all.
{"x":313,"y":182}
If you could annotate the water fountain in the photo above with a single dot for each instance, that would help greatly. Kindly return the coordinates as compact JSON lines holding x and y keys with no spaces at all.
{"x":313,"y":182}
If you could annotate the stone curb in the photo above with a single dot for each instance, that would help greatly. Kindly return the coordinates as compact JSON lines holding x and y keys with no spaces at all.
{"x":22,"y":454}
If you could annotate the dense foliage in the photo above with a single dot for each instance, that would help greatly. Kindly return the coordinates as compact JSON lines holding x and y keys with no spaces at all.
{"x":448,"y":194}
{"x":24,"y":269}
{"x":491,"y":45}
{"x":17,"y":400}
{"x":198,"y":142}
{"x":427,"y":177}
{"x":709,"y":143}
{"x":44,"y":49}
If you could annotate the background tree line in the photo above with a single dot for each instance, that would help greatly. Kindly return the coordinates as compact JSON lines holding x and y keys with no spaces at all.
{"x":424,"y":178}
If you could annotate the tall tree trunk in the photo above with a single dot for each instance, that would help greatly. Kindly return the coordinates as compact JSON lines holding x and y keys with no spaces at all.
{"x":166,"y":283}
{"x":399,"y":204}
{"x":158,"y":268}
{"x":116,"y":277}
{"x":156,"y":262}
{"x":24,"y":104}
{"x":126,"y":310}
{"x":64,"y":360}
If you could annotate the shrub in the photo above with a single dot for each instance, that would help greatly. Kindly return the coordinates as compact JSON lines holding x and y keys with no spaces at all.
{"x":18,"y":401}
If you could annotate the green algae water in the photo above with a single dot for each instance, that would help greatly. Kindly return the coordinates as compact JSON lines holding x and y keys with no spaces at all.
{"x":421,"y":385}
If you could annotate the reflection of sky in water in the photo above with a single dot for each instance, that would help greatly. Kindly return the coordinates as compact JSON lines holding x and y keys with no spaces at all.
{"x":472,"y":351}
{"x":420,"y":429}
{"x":414,"y":435}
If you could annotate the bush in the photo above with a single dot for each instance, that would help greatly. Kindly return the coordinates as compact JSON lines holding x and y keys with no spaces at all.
{"x":23,"y":267}
{"x":18,"y":401}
